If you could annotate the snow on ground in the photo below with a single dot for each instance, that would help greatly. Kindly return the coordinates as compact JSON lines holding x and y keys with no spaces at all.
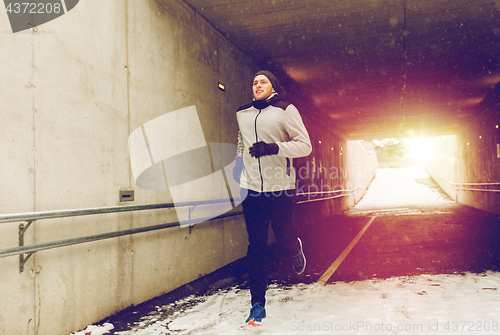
{"x":395,"y":188}
{"x":425,"y":304}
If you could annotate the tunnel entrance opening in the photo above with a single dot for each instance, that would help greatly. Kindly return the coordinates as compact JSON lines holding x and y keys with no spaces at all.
{"x":402,"y":181}
{"x":406,"y":224}
{"x":403,"y":152}
{"x":407,"y":188}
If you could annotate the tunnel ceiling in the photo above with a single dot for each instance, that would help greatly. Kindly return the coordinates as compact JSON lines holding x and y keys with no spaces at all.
{"x":373,"y":68}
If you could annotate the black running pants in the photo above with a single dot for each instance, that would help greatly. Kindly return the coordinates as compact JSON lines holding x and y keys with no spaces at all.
{"x":260,"y":210}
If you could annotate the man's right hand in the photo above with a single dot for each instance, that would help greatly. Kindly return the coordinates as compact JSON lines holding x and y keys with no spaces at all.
{"x":237,"y":169}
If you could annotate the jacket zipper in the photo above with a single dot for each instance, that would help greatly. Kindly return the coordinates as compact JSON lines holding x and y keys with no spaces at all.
{"x":257,"y":140}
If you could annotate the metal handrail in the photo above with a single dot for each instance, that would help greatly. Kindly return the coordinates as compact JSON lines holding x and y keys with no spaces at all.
{"x":462,"y":186}
{"x":25,"y":252}
{"x":344,"y":192}
{"x":56,"y":244}
{"x":33,"y":216}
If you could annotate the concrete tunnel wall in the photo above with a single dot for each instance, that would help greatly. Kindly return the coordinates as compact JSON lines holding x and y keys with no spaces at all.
{"x":467,"y":165}
{"x":72,"y":92}
{"x":341,"y":167}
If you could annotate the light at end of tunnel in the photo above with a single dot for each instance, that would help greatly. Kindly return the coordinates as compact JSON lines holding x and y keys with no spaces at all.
{"x":420,"y":148}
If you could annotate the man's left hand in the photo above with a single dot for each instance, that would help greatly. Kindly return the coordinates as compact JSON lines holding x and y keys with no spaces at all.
{"x":260,"y":149}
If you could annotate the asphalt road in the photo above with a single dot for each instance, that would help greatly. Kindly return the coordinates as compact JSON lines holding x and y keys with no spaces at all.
{"x":403,"y":242}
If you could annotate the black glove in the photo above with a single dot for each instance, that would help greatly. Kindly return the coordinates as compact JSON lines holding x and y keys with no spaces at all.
{"x":260,"y":149}
{"x":237,"y":169}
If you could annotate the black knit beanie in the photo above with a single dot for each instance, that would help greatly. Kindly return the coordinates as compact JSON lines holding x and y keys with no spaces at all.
{"x":270,"y":76}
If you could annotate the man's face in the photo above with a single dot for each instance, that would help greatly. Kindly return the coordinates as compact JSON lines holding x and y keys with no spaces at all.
{"x":262,"y":87}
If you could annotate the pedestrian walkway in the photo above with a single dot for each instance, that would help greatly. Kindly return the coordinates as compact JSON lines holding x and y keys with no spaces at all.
{"x":427,"y":266}
{"x":425,"y":304}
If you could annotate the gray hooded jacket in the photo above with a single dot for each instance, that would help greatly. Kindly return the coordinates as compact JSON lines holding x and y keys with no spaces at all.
{"x":271,"y":121}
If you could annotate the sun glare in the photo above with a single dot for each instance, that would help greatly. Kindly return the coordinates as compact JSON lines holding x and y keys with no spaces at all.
{"x":420,"y":148}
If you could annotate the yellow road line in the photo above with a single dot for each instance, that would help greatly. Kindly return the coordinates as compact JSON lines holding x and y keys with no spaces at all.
{"x":331,"y":270}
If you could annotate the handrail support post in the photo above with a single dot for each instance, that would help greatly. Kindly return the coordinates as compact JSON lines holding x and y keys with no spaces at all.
{"x":190,"y":210}
{"x":22,"y":258}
